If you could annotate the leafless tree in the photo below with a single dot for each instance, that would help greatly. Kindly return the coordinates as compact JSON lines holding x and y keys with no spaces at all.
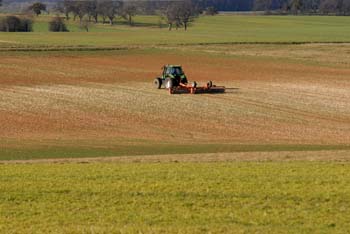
{"x":85,"y":25}
{"x":186,"y":13}
{"x":262,"y":5}
{"x":91,"y":10}
{"x":296,"y":6}
{"x":109,"y":9}
{"x":180,"y":13}
{"x":129,"y":11}
{"x":37,"y":8}
{"x":57,"y":25}
{"x":328,"y":6}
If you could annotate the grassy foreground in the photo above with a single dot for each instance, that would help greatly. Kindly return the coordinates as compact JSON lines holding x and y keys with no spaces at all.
{"x":296,"y":197}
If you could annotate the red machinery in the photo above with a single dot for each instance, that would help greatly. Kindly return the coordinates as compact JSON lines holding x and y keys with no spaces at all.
{"x":193,"y":88}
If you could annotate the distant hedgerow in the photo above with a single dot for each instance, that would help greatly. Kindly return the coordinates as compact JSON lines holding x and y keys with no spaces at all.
{"x":57,"y":25}
{"x":15,"y":24}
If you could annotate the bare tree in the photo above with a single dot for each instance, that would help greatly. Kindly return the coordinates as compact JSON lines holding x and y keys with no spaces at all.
{"x":345,"y":8}
{"x":65,"y":7}
{"x":171,"y":16}
{"x":85,"y":25}
{"x":74,"y":9}
{"x":91,"y":8}
{"x":82,"y":10}
{"x":57,"y":25}
{"x":211,"y":11}
{"x":180,"y":13}
{"x":37,"y":8}
{"x":129,"y":11}
{"x":102,"y":8}
{"x":109,"y":9}
{"x":262,"y":5}
{"x":186,"y":13}
{"x":328,"y":6}
{"x":296,"y":6}
{"x":311,"y":6}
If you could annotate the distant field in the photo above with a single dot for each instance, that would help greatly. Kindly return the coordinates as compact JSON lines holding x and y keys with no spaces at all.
{"x":295,"y":197}
{"x":216,"y":29}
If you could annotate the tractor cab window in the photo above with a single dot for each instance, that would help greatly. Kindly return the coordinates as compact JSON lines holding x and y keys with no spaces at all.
{"x":174,"y":71}
{"x":177,"y":71}
{"x":169,"y":71}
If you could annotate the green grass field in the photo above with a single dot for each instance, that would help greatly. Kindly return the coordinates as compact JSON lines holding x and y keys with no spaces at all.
{"x":299,"y":197}
{"x":216,"y":29}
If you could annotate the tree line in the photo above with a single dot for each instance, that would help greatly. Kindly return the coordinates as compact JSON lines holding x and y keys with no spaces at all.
{"x":277,"y":6}
{"x":221,"y":5}
{"x":175,"y":13}
{"x":15,"y":24}
{"x":322,"y":7}
{"x":179,"y":13}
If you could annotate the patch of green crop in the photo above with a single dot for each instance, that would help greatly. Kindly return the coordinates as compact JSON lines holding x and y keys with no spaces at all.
{"x":52,"y":151}
{"x":295,"y":197}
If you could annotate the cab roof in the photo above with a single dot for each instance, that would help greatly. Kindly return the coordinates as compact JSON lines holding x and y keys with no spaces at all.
{"x":171,"y":65}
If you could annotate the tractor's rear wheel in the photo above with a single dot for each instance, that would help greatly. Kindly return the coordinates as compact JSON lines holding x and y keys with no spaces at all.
{"x":157,"y":83}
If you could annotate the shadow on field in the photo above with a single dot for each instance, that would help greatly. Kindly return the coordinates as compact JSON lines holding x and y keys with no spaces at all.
{"x":213,"y":92}
{"x":232,"y":90}
{"x":143,"y":24}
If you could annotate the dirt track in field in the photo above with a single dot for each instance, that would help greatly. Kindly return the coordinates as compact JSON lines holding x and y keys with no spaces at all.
{"x":96,"y":96}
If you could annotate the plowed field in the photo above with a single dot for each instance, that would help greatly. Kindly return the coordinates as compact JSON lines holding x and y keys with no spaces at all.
{"x":106,"y":98}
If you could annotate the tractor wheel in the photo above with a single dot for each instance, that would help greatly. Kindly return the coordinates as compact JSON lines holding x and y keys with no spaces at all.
{"x":210,"y":84}
{"x":157,"y":83}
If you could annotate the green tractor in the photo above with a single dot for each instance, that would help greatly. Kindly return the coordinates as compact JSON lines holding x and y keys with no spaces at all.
{"x":174,"y":79}
{"x":172,"y":76}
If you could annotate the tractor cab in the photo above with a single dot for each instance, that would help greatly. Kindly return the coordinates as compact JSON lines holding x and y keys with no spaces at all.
{"x":173,"y":74}
{"x":172,"y":71}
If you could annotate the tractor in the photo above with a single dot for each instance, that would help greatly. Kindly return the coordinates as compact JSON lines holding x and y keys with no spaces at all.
{"x":174,"y":80}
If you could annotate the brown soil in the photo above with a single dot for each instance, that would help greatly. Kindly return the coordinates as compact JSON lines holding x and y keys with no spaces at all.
{"x":102,"y":96}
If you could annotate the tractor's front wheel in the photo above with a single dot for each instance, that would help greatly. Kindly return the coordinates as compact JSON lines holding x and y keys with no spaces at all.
{"x":157,"y":83}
